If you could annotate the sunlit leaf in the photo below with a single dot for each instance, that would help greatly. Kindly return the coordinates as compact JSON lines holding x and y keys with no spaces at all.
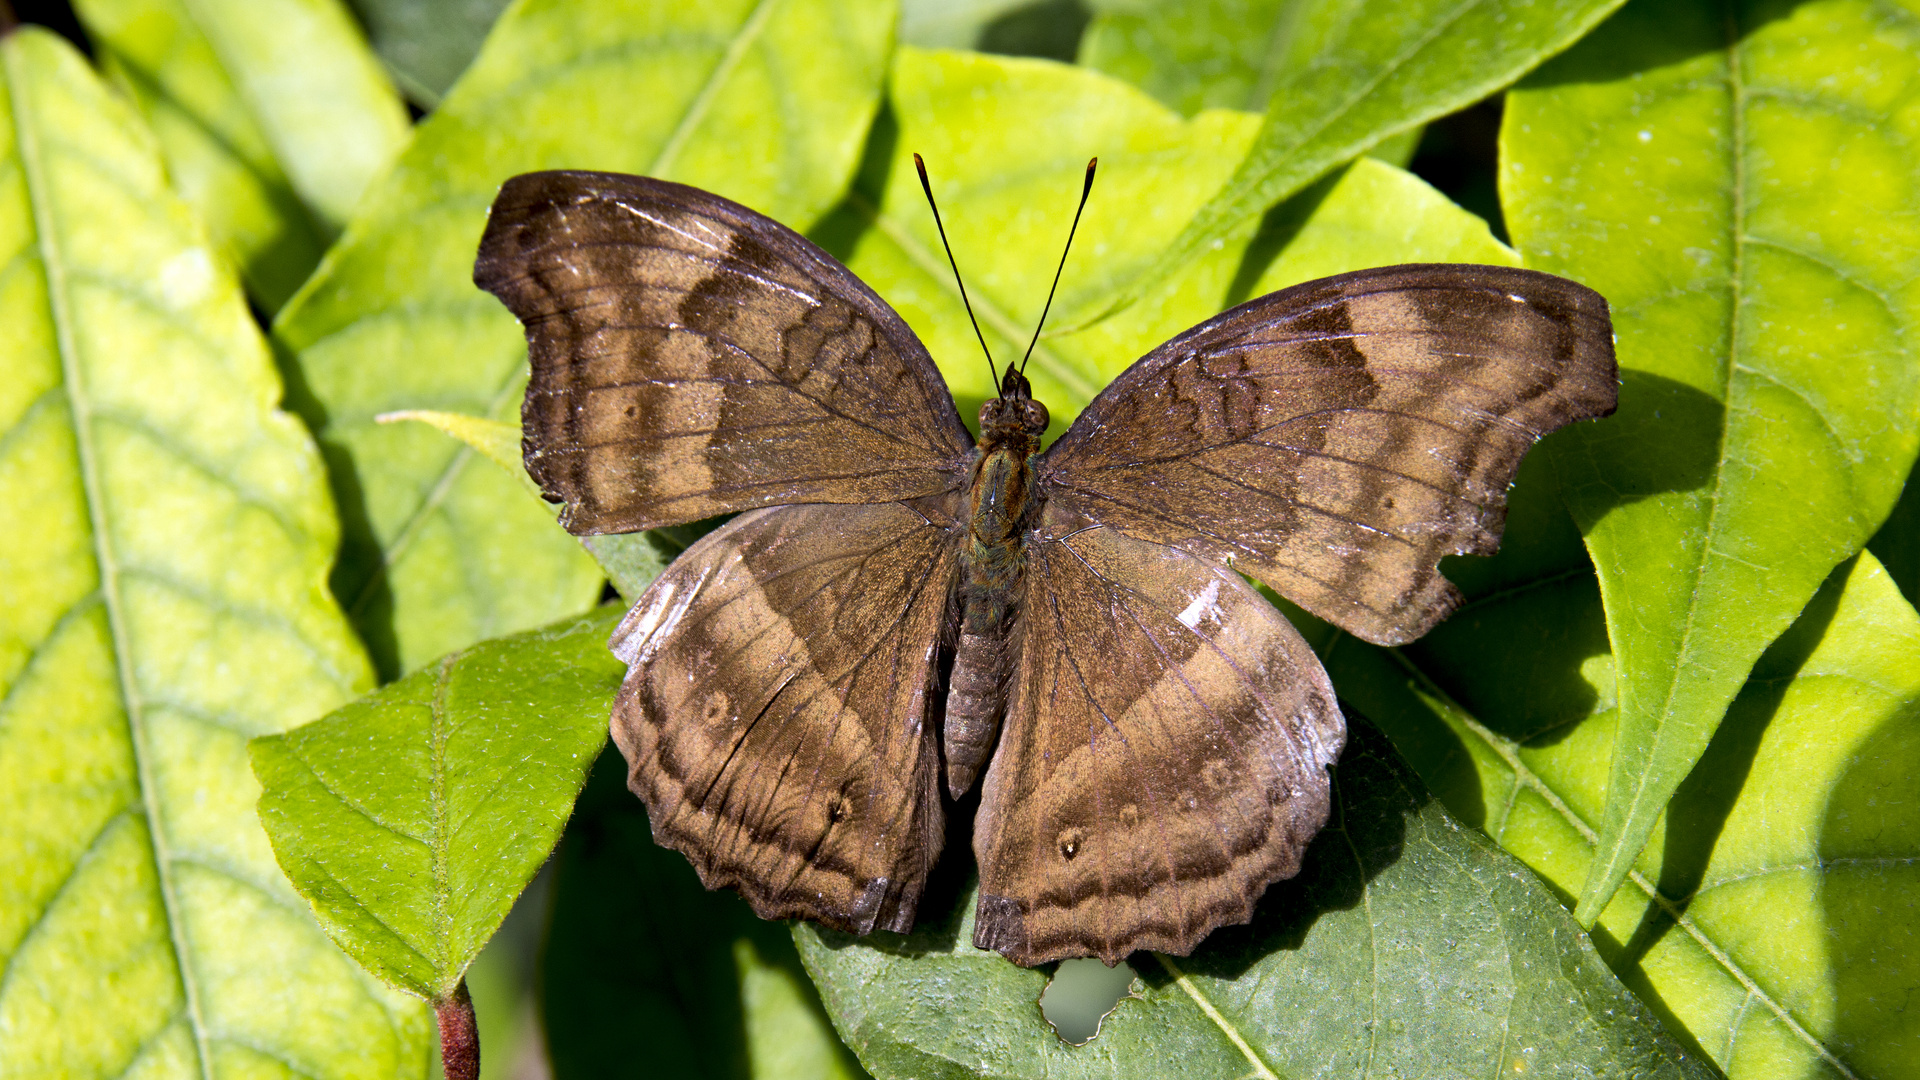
{"x":640,"y":954}
{"x":1221,"y":53}
{"x":1007,"y":143}
{"x":1214,"y":53}
{"x":272,"y":115}
{"x":764,"y":102}
{"x":1382,"y":67}
{"x":1769,"y":918}
{"x":167,"y":538}
{"x":412,"y":818}
{"x":1743,"y":186}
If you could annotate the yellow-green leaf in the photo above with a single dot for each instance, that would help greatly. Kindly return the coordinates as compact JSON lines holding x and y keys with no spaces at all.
{"x":1742,"y":183}
{"x":1007,"y":141}
{"x":167,"y":538}
{"x":765,"y":101}
{"x":273,"y":117}
{"x":1770,"y":919}
{"x":412,"y":817}
{"x":1381,"y":67}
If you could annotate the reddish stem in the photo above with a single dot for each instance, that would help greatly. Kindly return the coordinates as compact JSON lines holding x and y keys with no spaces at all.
{"x":459,"y":1035}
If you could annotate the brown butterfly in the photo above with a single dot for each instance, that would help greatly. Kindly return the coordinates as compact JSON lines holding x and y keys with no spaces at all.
{"x":897,"y":606}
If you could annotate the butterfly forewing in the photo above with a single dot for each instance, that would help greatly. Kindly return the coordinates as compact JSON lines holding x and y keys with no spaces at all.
{"x":1167,"y":733}
{"x":1336,"y":439}
{"x":1164,"y":757}
{"x":693,"y":358}
{"x":775,"y":716}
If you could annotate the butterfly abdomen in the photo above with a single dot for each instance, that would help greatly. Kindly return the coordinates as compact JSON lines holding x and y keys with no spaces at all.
{"x":991,"y":566}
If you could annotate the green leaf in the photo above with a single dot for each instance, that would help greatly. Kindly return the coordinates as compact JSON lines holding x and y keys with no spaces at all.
{"x":1409,"y":945}
{"x":631,"y":561}
{"x":1767,"y":920}
{"x":167,"y":539}
{"x":272,"y":115}
{"x":1741,"y":184}
{"x":411,"y":818}
{"x":1228,"y":54}
{"x":426,"y":44}
{"x":1382,"y":67}
{"x":1007,"y":141}
{"x":640,"y":955}
{"x":497,"y":440}
{"x":950,"y":24}
{"x":764,"y":102}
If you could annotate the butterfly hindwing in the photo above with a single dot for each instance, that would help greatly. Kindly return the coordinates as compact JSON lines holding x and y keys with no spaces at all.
{"x":692,"y":358}
{"x":1336,"y":439}
{"x":1164,"y":756}
{"x":776,"y":712}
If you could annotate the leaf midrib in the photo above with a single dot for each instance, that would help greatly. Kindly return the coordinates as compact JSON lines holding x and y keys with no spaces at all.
{"x":34,"y":171}
{"x":1212,"y":1013}
{"x":1609,"y":859}
{"x":437,"y":811}
{"x":716,"y":80}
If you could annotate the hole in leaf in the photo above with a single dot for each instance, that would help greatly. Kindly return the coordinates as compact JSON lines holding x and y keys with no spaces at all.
{"x":1081,"y":994}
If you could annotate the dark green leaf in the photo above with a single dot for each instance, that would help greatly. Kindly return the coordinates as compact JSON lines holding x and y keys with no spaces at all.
{"x":764,"y":102}
{"x":640,"y":955}
{"x":1742,"y":183}
{"x":1226,"y":54}
{"x":411,"y":818}
{"x":1409,"y":945}
{"x":427,"y":43}
{"x":167,"y":534}
{"x":1383,"y":67}
{"x":1897,"y":544}
{"x":272,"y":115}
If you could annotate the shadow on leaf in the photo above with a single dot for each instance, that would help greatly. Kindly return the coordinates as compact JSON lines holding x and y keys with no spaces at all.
{"x":1374,"y":793}
{"x":1648,"y":35}
{"x":639,"y":955}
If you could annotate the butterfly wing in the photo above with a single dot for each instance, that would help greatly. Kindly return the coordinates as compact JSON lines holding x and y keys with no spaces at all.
{"x":775,"y":711}
{"x":1164,"y":756}
{"x":692,"y":357}
{"x":1335,"y":439}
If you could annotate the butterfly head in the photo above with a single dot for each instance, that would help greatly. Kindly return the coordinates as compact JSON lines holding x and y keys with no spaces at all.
{"x":1014,"y":411}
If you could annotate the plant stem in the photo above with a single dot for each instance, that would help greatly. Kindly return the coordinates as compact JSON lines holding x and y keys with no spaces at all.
{"x":459,"y":1034}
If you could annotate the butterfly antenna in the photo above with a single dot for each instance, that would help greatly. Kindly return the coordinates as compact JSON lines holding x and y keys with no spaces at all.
{"x":1084,"y":192}
{"x":993,"y":379}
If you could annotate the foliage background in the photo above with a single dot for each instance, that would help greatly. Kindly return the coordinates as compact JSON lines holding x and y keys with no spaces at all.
{"x":1682,"y":678}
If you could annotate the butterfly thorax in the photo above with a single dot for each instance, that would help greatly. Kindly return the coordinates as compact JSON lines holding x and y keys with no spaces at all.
{"x":1001,"y":502}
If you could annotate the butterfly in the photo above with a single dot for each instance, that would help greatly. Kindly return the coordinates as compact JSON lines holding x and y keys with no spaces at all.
{"x":899,"y":611}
